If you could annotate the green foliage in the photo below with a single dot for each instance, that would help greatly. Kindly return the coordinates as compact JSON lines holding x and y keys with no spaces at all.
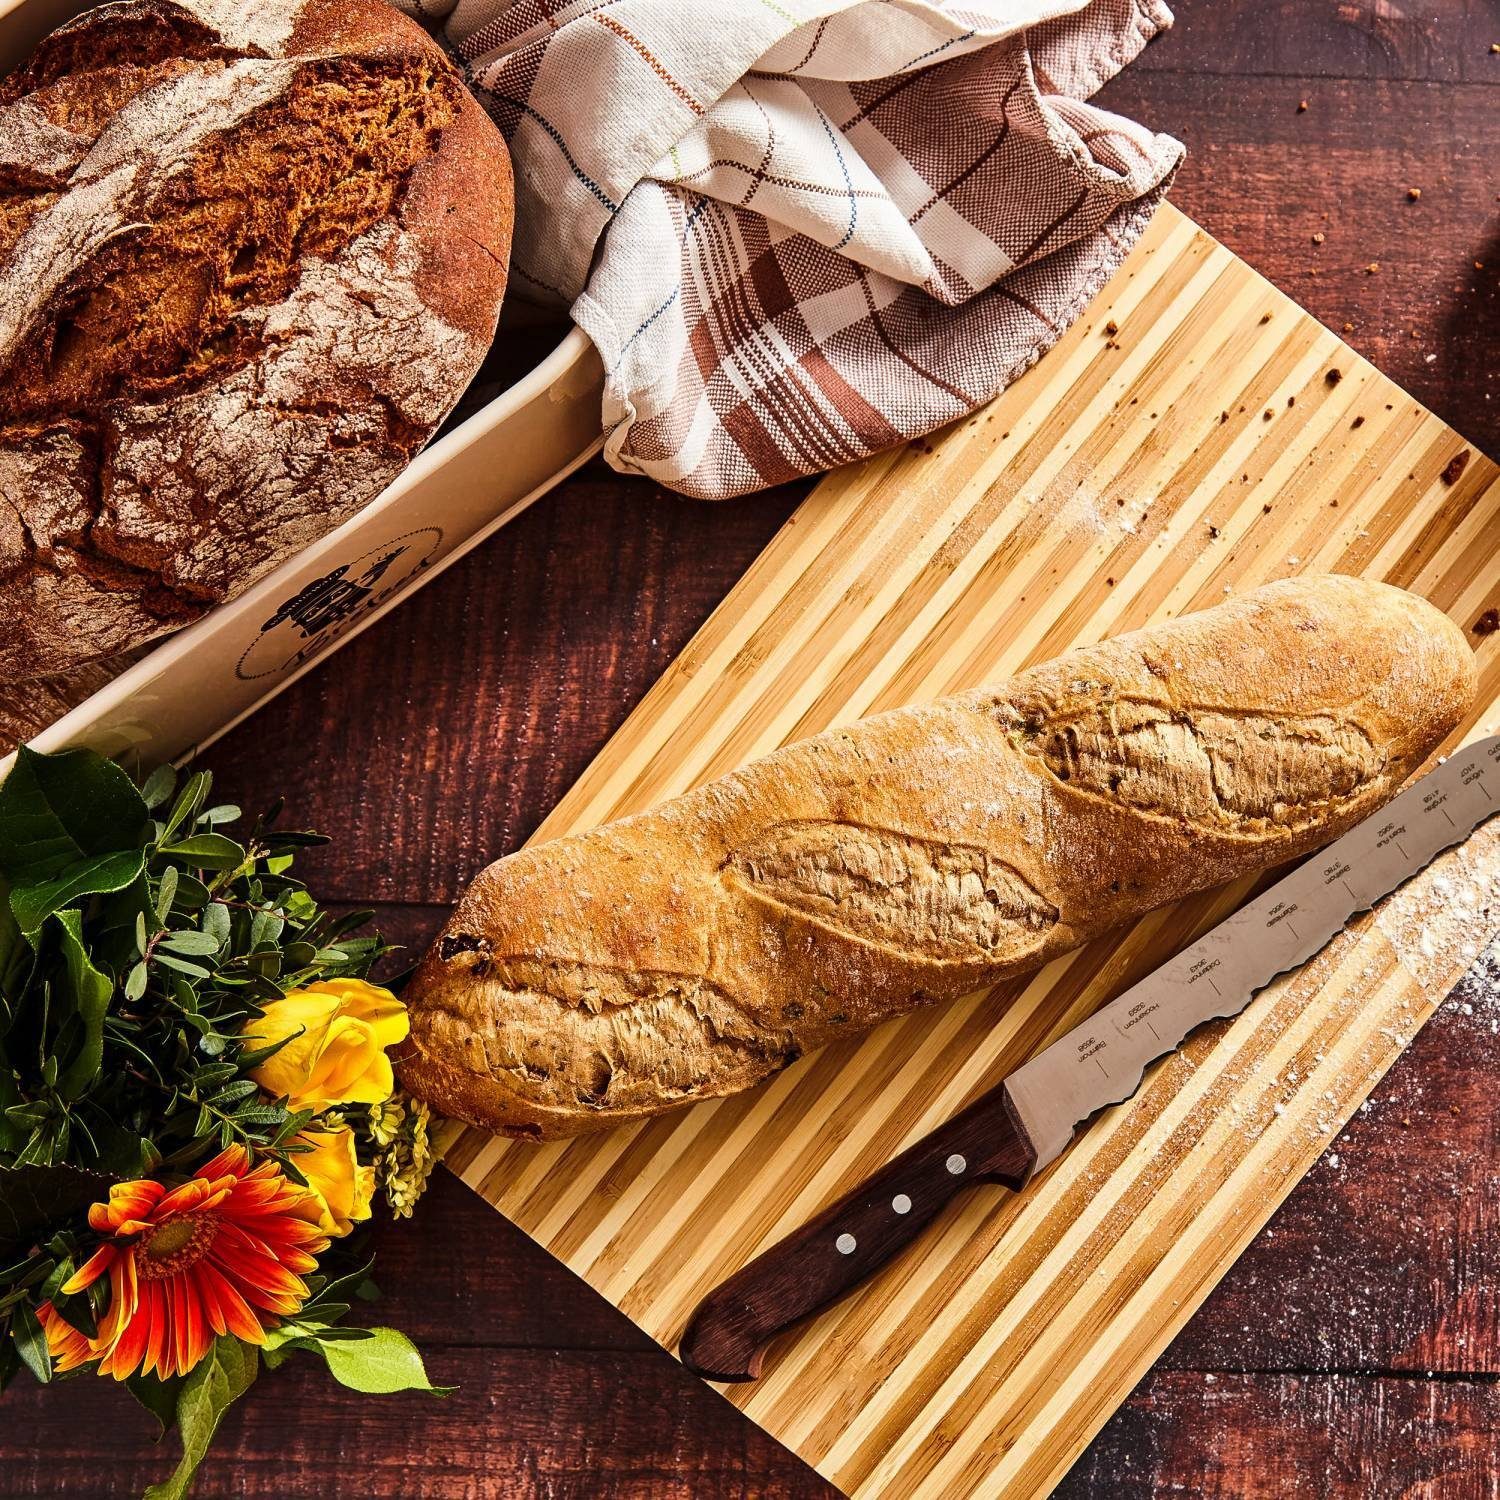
{"x":58,"y":812}
{"x":31,"y":1343}
{"x":203,"y":1398}
{"x":385,"y":1362}
{"x":90,"y":991}
{"x":34,"y":1198}
{"x":141,"y":938}
{"x":159,"y":1397}
{"x":376,"y":1361}
{"x":138,"y":937}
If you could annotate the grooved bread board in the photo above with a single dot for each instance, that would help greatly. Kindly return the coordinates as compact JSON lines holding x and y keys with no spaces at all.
{"x":1131,"y":475}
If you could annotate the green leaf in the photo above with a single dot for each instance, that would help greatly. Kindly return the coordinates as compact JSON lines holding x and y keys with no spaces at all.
{"x":158,"y":786}
{"x":11,"y":1134}
{"x":159,"y":1397}
{"x":353,"y":1282}
{"x":189,"y":941}
{"x":253,"y":1057}
{"x":191,"y":893}
{"x":386,"y":1362}
{"x":189,"y":800}
{"x":58,"y":811}
{"x":15,"y":951}
{"x":77,"y":1311}
{"x":180,"y":965}
{"x":32,"y":1198}
{"x":225,"y":1374}
{"x":265,"y":927}
{"x":217,"y":922}
{"x":31,"y":1342}
{"x":90,"y":992}
{"x":259,"y":1114}
{"x":208,"y":851}
{"x":289,"y":1331}
{"x":33,"y":904}
{"x":242,"y":1088}
{"x":167,"y":893}
{"x":123,"y":1153}
{"x":135,"y":981}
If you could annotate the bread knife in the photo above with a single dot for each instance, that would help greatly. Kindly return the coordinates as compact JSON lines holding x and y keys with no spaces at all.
{"x":1019,"y":1127}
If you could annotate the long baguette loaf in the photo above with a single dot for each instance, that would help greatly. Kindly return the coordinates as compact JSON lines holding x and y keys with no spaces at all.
{"x":696,"y":949}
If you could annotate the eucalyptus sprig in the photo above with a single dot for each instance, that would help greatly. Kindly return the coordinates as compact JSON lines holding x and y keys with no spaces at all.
{"x":138,"y":938}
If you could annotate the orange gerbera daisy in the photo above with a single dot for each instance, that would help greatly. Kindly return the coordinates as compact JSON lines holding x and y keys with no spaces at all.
{"x":69,"y":1348}
{"x":222,"y":1253}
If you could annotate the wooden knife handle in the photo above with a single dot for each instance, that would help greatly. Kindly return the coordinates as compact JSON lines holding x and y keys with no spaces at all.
{"x":831,"y":1255}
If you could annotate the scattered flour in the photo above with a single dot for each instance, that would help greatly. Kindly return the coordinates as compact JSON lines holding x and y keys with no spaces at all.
{"x":249,"y":25}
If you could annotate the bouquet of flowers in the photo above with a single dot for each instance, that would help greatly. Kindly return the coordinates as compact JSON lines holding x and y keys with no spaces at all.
{"x":196,"y":1102}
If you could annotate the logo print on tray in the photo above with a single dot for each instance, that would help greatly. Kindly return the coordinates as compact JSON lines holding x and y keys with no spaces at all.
{"x":309,"y":621}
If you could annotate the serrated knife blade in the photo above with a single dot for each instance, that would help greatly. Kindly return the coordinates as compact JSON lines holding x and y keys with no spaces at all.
{"x":1025,"y":1123}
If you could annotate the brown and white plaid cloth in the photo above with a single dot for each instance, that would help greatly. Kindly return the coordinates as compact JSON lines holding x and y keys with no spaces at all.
{"x":800,"y":231}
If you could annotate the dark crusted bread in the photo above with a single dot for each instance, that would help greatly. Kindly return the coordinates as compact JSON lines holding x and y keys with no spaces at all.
{"x":251,"y":252}
{"x":694,"y":950}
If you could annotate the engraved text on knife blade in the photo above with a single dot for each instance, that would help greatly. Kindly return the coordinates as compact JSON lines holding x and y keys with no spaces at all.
{"x":1102,"y":1061}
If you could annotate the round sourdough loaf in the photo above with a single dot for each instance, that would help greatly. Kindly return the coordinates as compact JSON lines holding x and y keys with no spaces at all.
{"x":251,"y":253}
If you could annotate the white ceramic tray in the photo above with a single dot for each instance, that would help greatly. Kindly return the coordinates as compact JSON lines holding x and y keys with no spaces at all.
{"x":199,"y":682}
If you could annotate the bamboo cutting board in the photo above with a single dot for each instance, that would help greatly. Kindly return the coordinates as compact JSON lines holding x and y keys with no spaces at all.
{"x":1185,"y":440}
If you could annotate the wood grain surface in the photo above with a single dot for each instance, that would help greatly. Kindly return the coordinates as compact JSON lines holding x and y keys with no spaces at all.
{"x":1353,"y":1349}
{"x":1193,"y":435}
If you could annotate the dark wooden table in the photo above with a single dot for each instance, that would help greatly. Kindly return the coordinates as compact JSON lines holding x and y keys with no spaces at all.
{"x":1355,"y":1349}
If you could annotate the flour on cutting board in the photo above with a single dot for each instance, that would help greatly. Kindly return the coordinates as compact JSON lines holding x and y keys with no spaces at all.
{"x":1441,"y":921}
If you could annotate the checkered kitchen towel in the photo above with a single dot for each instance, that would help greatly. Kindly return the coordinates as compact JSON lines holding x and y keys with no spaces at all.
{"x":800,"y":231}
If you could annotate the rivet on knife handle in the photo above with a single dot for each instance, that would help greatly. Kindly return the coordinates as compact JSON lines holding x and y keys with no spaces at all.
{"x":830,"y":1256}
{"x":1028,"y":1121}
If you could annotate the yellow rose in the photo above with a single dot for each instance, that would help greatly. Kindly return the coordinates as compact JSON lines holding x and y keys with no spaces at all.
{"x":339,"y":1030}
{"x":339,"y":1188}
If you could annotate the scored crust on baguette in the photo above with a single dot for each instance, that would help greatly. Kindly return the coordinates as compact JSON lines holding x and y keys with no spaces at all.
{"x":694,"y":950}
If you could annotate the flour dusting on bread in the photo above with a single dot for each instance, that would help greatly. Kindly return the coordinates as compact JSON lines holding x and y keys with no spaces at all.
{"x":947,"y":902}
{"x":249,"y":25}
{"x":354,"y":323}
{"x":239,"y":290}
{"x":923,"y":854}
